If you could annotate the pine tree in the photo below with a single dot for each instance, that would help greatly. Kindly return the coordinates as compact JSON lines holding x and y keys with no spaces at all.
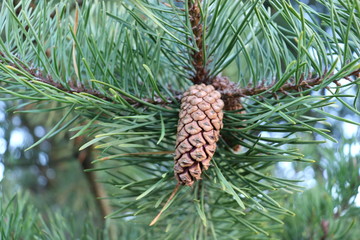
{"x":116,"y":73}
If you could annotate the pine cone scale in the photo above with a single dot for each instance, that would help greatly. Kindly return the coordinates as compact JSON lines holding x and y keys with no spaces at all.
{"x":200,"y":120}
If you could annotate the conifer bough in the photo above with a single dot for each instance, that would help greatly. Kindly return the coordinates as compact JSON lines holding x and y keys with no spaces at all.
{"x":200,"y":121}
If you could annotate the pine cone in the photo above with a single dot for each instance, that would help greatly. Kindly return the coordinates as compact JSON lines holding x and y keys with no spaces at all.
{"x":200,"y":121}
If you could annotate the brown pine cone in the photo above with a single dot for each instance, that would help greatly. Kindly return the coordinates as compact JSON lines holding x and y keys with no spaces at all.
{"x":200,"y":121}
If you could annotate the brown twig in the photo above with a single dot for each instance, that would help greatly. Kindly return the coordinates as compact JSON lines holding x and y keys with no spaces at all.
{"x":39,"y":76}
{"x":201,"y":75}
{"x":325,"y":228}
{"x":97,"y":189}
{"x":78,"y":88}
{"x":229,"y":90}
{"x":306,"y":83}
{"x":166,"y":204}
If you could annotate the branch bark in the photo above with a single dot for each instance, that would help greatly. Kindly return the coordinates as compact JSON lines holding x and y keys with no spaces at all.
{"x":97,"y":189}
{"x":325,"y":228}
{"x":304,"y":84}
{"x":201,"y":74}
{"x":228,"y":89}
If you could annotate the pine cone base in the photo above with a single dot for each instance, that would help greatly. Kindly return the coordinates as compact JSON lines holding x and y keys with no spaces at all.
{"x":200,"y":122}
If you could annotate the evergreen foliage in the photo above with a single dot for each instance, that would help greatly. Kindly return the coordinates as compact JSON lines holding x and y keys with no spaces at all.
{"x":114,"y":73}
{"x":329,"y":209}
{"x":21,"y":220}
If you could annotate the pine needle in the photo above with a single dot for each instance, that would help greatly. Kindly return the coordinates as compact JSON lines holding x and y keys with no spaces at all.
{"x":76,"y":23}
{"x":166,"y":204}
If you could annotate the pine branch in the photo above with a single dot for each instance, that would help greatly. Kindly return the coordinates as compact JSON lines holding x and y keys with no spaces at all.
{"x":304,"y":84}
{"x":325,"y":229}
{"x":228,"y":89}
{"x":40,"y":76}
{"x":79,"y":88}
{"x":201,"y":75}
